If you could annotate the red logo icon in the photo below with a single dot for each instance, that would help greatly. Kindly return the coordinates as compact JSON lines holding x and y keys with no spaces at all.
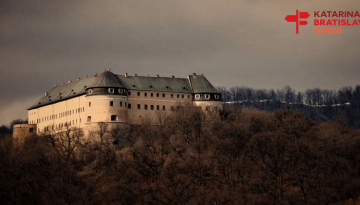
{"x":295,"y":18}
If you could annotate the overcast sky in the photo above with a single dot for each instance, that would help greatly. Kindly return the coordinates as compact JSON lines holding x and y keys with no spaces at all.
{"x":233,"y":42}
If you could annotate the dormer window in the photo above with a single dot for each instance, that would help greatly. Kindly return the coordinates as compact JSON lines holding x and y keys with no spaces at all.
{"x":121,"y":91}
{"x":111,"y":90}
{"x":197,"y":96}
{"x":216,"y":97}
{"x":207,"y":96}
{"x":90,"y":91}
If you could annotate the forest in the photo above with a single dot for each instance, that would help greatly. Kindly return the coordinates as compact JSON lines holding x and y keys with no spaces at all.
{"x":318,"y":104}
{"x":235,"y":156}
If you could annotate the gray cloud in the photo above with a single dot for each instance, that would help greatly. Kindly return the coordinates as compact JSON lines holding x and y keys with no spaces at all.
{"x":232,"y":42}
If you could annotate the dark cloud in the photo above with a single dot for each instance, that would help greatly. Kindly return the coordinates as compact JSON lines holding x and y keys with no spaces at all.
{"x":233,"y":42}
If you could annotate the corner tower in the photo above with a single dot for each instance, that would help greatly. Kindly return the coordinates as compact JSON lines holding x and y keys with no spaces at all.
{"x":106,"y":100}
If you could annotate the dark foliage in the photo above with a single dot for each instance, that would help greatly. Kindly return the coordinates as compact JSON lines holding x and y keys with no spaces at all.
{"x":238,"y":156}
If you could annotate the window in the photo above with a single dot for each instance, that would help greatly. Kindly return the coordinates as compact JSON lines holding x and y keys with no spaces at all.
{"x":31,"y":130}
{"x":120,"y":103}
{"x":111,"y":90}
{"x":89,"y":104}
{"x":177,"y":96}
{"x":145,"y":94}
{"x":207,"y":108}
{"x":80,"y":120}
{"x":157,"y":94}
{"x":163,"y":107}
{"x":121,"y":91}
{"x":90,"y":91}
{"x":182,"y":96}
{"x":138,"y":106}
{"x":151,"y":94}
{"x":207,"y":96}
{"x":197,"y":96}
{"x":129,"y":105}
{"x":113,"y":118}
{"x":216,"y":97}
{"x":163,"y":95}
{"x":157,"y":107}
{"x":125,"y":104}
{"x":145,"y":107}
{"x":138,"y":93}
{"x":172,"y":95}
{"x":88,"y":119}
{"x":111,"y":103}
{"x":172,"y":108}
{"x":152,"y":107}
{"x":189,"y":96}
{"x":129,"y":93}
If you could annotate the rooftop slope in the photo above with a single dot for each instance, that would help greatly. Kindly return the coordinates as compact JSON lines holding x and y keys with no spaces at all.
{"x":156,"y":83}
{"x":62,"y":92}
{"x":200,"y":84}
{"x":106,"y":79}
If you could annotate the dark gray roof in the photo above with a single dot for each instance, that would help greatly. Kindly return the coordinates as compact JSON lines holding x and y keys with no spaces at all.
{"x":198,"y":84}
{"x":156,"y":83}
{"x":106,"y":79}
{"x":62,"y":92}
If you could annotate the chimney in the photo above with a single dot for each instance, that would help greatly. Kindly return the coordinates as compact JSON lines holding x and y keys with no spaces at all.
{"x":194,"y":74}
{"x":86,"y":76}
{"x":147,"y":75}
{"x":135,"y":74}
{"x":172,"y":76}
{"x":46,"y":94}
{"x":157,"y":75}
{"x":125,"y":75}
{"x":62,"y":83}
{"x":78,"y":79}
{"x":55,"y":86}
{"x":69,"y":81}
{"x":109,"y":69}
{"x":95,"y":76}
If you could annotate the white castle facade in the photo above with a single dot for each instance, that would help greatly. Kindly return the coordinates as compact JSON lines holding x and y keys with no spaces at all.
{"x":119,"y":99}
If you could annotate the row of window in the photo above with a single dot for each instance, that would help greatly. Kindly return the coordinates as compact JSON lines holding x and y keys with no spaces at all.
{"x":112,"y":117}
{"x":61,"y":125}
{"x":146,"y":107}
{"x":206,"y":96}
{"x":110,"y":91}
{"x":162,"y":94}
{"x":112,"y":104}
{"x":55,"y":116}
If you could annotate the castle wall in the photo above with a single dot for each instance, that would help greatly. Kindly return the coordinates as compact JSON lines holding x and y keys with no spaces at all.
{"x":209,"y":105}
{"x":106,"y":108}
{"x":20,"y":131}
{"x":59,"y":116}
{"x":154,"y":106}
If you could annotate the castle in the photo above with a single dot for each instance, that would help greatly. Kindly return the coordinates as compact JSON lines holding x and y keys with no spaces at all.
{"x":119,"y":99}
